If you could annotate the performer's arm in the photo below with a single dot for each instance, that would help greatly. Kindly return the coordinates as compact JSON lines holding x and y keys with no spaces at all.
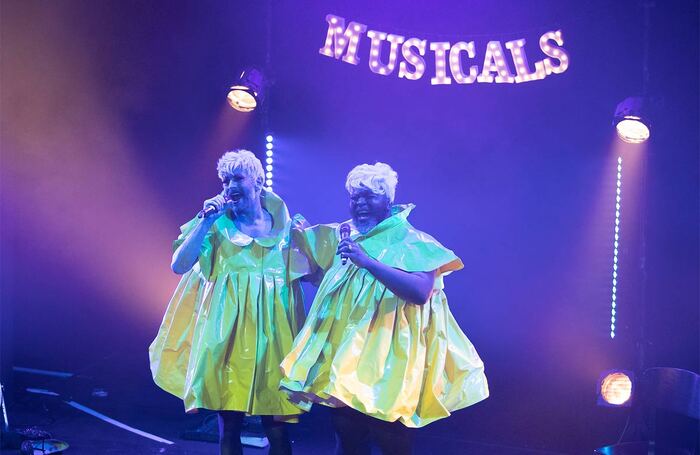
{"x":185,"y":256}
{"x":414,"y":287}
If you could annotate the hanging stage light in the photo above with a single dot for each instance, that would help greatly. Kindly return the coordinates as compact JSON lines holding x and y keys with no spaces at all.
{"x":247,"y":93}
{"x":630,"y":121}
{"x":615,"y":388}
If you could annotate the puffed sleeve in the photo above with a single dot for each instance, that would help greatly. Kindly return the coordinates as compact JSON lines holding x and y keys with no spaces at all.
{"x":409,"y":249}
{"x":425,"y":254}
{"x":205,"y":259}
{"x":299,"y":261}
{"x":318,"y":243}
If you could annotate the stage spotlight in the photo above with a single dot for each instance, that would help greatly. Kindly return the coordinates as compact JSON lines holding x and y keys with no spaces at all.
{"x":247,"y":93}
{"x":630,"y":122}
{"x":615,"y":388}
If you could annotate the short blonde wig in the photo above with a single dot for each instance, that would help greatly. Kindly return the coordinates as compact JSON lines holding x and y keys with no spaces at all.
{"x":380,"y":178}
{"x":241,"y":159}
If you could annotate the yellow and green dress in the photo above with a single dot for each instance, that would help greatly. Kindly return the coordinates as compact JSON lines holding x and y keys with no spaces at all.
{"x":364,"y":347}
{"x":233,"y":318}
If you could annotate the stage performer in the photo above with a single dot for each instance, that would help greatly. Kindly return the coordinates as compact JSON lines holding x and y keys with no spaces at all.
{"x":380,"y":345}
{"x":237,"y":308}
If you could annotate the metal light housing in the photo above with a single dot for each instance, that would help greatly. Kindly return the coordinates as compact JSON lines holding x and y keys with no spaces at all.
{"x":631,"y":121}
{"x":248,"y":91}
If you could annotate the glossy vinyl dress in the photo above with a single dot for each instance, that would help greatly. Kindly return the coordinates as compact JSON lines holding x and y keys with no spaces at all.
{"x":233,"y":318}
{"x":364,"y":347}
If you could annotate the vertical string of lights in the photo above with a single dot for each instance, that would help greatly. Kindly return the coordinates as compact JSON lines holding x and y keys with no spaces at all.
{"x":616,"y":248}
{"x":269,"y":161}
{"x":633,"y":127}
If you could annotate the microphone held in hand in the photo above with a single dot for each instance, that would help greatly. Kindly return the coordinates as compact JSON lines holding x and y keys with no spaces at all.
{"x":210,"y":209}
{"x":344,"y":234}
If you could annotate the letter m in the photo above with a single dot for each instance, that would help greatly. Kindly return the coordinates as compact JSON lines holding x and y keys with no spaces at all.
{"x":339,"y":38}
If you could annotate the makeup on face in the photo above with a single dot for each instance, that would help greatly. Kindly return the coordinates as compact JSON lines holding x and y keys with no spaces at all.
{"x":368,"y":208}
{"x":239,"y":187}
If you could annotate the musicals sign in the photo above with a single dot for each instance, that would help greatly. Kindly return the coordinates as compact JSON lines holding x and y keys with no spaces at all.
{"x":344,"y":43}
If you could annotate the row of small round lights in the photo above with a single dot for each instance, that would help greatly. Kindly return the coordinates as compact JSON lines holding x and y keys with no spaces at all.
{"x":375,"y":63}
{"x":440,"y":50}
{"x":555,"y":52}
{"x":616,"y":246}
{"x":339,"y":37}
{"x":496,"y":63}
{"x":522,"y":69}
{"x":269,"y":161}
{"x":412,"y":58}
{"x":456,"y":64}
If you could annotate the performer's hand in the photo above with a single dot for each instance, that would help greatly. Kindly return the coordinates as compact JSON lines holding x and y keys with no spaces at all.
{"x":353,"y":252}
{"x":219,"y":203}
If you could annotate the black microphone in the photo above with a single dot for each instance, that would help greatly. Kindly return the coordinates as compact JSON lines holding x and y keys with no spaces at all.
{"x":344,"y":234}
{"x":210,"y":210}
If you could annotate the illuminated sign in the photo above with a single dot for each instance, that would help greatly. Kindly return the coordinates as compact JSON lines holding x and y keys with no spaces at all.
{"x":456,"y":62}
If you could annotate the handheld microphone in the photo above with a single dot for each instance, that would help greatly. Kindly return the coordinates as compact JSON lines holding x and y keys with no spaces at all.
{"x":344,"y":234}
{"x":210,"y":209}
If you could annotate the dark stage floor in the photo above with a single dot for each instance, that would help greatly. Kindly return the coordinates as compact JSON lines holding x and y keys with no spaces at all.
{"x":128,"y":395}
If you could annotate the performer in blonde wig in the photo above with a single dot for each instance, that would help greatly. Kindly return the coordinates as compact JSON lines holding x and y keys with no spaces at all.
{"x":380,"y":344}
{"x":237,"y":308}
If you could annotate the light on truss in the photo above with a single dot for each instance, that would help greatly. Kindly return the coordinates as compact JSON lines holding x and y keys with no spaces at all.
{"x":615,"y":388}
{"x":630,"y":121}
{"x":248,"y":91}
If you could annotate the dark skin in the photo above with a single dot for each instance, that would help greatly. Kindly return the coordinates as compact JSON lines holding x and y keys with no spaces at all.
{"x":369,"y":209}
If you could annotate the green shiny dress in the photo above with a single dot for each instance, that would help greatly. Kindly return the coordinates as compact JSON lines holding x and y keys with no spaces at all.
{"x":364,"y":347}
{"x":233,"y":318}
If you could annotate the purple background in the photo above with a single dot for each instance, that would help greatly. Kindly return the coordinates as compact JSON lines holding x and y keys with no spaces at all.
{"x":113,"y":116}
